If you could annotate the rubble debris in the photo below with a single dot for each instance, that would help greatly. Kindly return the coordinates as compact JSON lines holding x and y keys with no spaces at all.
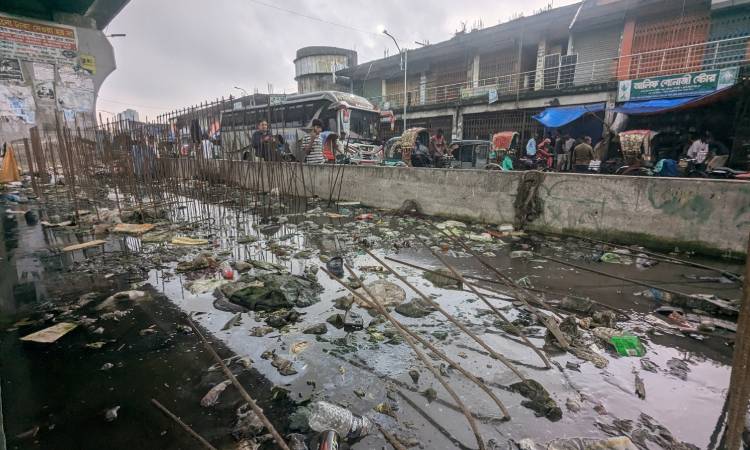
{"x":247,"y":424}
{"x":640,"y":387}
{"x":539,"y":399}
{"x":415,"y":308}
{"x":113,"y":300}
{"x":200,"y":262}
{"x":386,"y":293}
{"x":320,"y":328}
{"x":110,"y":415}
{"x":678,"y":368}
{"x":233,"y":322}
{"x":613,"y":443}
{"x":282,"y":365}
{"x":260,"y":331}
{"x":443,"y":278}
{"x":336,"y":266}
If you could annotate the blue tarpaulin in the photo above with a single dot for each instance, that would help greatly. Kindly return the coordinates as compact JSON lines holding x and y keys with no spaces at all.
{"x":562,"y":115}
{"x":668,"y":104}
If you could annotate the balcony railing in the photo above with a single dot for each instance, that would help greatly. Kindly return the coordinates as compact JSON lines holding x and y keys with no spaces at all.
{"x":690,"y":58}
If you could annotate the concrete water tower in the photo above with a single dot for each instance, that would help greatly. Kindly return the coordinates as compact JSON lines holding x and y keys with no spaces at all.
{"x":314,"y":67}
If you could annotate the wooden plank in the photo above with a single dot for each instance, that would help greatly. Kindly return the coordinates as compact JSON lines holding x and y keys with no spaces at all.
{"x":89,"y":244}
{"x":50,"y":334}
{"x":133,"y":228}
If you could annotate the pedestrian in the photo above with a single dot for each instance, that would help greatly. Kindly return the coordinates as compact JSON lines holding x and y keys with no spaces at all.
{"x":557,"y":149}
{"x":312,"y":144}
{"x":562,"y":151}
{"x":582,"y":155}
{"x":531,"y":147}
{"x":544,"y":154}
{"x":602,"y":147}
{"x":570,"y":144}
{"x":262,"y":142}
{"x":438,"y":147}
{"x":698,"y":151}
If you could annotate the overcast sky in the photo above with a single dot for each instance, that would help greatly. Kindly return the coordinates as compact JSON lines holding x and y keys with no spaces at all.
{"x":180,"y":52}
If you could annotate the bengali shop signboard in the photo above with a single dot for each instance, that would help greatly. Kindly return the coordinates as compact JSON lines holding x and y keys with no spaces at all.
{"x":678,"y":85}
{"x":37,"y":41}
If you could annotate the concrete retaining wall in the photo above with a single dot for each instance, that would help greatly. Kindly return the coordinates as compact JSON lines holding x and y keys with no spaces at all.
{"x":708,"y":216}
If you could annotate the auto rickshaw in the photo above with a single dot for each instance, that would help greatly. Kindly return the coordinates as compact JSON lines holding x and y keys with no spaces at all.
{"x":504,"y":150}
{"x":410,"y":149}
{"x":469,"y":154}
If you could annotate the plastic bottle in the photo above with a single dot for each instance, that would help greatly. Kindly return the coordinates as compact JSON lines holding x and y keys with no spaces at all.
{"x":325,"y":416}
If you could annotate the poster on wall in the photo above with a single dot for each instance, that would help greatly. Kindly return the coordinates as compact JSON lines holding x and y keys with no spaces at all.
{"x":44,"y":72}
{"x":88,"y":63}
{"x":45,"y":91}
{"x":76,"y":79}
{"x":17,"y":102}
{"x":10,"y":69}
{"x":32,"y":40}
{"x":75,"y":99}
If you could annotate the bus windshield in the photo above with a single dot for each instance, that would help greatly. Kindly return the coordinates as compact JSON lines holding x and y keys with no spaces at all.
{"x":363,"y":124}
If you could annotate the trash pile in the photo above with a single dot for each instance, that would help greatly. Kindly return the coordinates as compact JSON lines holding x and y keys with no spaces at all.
{"x":321,"y":299}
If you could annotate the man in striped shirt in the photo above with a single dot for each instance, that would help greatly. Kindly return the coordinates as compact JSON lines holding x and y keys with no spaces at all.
{"x":313,"y":144}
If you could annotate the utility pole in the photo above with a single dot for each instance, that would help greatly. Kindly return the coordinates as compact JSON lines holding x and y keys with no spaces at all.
{"x":404,"y":63}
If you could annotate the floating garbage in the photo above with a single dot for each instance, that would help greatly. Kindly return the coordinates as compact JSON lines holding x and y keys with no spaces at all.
{"x":335,"y":265}
{"x":325,"y":416}
{"x":628,"y":345}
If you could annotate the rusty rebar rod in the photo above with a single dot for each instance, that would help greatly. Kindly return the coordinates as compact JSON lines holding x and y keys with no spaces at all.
{"x":182,"y":424}
{"x":452,"y":319}
{"x":254,"y":406}
{"x":484,"y":299}
{"x":396,"y":323}
{"x":426,"y":362}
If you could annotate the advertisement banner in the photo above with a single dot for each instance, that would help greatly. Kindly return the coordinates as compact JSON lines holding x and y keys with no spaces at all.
{"x":678,"y":85}
{"x":37,"y":41}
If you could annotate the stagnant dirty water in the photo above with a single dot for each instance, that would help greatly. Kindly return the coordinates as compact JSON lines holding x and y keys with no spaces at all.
{"x":61,"y":389}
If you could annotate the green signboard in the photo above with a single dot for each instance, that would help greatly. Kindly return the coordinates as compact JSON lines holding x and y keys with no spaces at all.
{"x":678,"y":85}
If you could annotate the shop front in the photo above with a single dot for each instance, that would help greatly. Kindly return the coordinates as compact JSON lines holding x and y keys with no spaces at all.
{"x":680,"y":108}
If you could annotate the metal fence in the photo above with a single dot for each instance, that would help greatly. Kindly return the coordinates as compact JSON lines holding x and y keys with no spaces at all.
{"x":567,"y":75}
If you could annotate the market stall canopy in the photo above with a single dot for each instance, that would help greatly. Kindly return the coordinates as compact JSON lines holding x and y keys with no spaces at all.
{"x":562,"y":115}
{"x":670,"y":104}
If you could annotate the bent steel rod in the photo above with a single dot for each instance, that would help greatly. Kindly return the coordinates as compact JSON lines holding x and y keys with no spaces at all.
{"x":616,"y":277}
{"x":254,"y":406}
{"x":184,"y":426}
{"x":396,"y":323}
{"x":428,"y":365}
{"x":452,"y":319}
{"x":664,"y":257}
{"x":519,"y":292}
{"x":487,"y":302}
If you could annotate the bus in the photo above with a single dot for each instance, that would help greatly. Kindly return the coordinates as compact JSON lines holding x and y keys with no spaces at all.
{"x":291,"y":118}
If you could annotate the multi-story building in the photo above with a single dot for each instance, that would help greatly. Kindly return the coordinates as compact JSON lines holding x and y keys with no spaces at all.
{"x":128,"y":114}
{"x":589,"y":60}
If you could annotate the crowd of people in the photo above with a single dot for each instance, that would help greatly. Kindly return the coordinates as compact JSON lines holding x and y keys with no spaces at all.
{"x":554,"y":151}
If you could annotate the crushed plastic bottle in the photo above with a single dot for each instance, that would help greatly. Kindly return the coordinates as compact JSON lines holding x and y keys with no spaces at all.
{"x":325,"y":416}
